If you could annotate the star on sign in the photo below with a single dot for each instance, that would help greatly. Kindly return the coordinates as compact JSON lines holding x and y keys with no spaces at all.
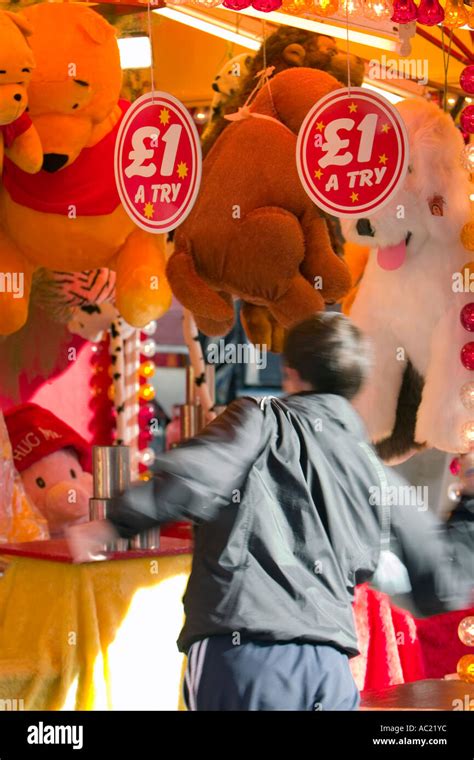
{"x":164,"y":116}
{"x":318,"y":174}
{"x":383,"y":159}
{"x":352,"y":107}
{"x":354,"y":197}
{"x":385,"y":128}
{"x":182,"y":170}
{"x":319,"y":126}
{"x":148,"y":210}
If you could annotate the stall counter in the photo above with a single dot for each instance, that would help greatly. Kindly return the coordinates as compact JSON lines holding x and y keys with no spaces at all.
{"x":95,"y":636}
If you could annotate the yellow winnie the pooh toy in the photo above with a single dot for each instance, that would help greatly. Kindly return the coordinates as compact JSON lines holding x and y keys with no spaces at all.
{"x":18,"y":137}
{"x":68,"y":216}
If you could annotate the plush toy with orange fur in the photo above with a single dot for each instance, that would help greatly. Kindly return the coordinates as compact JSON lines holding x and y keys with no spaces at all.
{"x":18,"y":137}
{"x":254,"y":233}
{"x":69,"y":217}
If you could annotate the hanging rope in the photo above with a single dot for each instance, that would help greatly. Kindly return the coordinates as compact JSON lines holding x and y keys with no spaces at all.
{"x":446,"y":59}
{"x":152,"y":59}
{"x":347,"y":52}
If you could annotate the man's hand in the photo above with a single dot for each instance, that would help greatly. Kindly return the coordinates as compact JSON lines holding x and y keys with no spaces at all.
{"x":86,"y":541}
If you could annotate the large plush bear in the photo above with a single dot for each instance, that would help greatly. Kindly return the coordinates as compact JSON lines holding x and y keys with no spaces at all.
{"x":18,"y":137}
{"x":69,"y":216}
{"x":54,"y":464}
{"x":411,"y":294}
{"x":254,"y":233}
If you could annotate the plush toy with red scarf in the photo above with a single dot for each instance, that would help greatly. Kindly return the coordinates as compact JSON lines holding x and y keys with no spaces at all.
{"x":68,"y":217}
{"x":18,"y":137}
{"x":54,"y":464}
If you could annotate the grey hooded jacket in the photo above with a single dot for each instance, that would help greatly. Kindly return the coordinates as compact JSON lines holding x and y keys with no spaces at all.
{"x":290,"y":510}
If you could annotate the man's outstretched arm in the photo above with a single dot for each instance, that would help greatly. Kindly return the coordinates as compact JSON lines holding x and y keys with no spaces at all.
{"x":198,"y":478}
{"x":439,"y":558}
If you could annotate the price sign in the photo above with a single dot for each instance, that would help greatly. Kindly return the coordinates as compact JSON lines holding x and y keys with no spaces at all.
{"x":157,"y":162}
{"x":352,"y":152}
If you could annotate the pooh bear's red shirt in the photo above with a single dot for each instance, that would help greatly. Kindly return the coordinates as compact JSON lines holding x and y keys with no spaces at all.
{"x":11,"y":131}
{"x":87,"y":185}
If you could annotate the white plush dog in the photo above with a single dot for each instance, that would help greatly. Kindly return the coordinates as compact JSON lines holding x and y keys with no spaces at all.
{"x":406,"y":302}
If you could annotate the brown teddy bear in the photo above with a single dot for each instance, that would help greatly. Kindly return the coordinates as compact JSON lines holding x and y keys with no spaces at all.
{"x":254,"y":233}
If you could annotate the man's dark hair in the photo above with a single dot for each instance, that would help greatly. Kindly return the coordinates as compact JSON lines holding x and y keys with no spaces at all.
{"x":329,"y":352}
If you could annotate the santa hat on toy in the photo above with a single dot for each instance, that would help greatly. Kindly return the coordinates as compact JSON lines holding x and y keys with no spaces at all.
{"x":36,"y":432}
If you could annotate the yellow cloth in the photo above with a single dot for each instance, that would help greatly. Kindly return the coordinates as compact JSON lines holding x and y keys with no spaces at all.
{"x":95,"y":636}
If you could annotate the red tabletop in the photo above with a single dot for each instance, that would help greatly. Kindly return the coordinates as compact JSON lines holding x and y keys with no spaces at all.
{"x":58,"y":550}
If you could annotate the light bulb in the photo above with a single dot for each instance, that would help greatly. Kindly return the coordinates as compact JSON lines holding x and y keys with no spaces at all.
{"x":147,"y":369}
{"x":148,"y":348}
{"x":467,"y":434}
{"x":465,"y":668}
{"x":146,"y":392}
{"x":297,"y":7}
{"x":350,"y":7}
{"x":146,"y":457}
{"x":377,"y":9}
{"x":467,"y":395}
{"x":430,"y":13}
{"x":466,"y":631}
{"x":205,"y":3}
{"x":326,"y":7}
{"x":404,"y":11}
{"x":454,"y":14}
{"x":454,"y":493}
{"x":266,"y":6}
{"x":150,"y":328}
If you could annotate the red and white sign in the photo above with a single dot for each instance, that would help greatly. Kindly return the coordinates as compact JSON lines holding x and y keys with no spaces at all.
{"x":158,"y":162}
{"x":352,"y":152}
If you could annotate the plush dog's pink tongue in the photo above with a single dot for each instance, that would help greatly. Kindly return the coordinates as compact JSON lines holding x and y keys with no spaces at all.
{"x":392,"y":257}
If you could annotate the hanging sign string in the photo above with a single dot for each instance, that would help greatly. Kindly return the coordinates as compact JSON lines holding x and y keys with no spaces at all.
{"x":263,"y":78}
{"x":348,"y":53}
{"x":152,"y":60}
{"x":446,"y":59}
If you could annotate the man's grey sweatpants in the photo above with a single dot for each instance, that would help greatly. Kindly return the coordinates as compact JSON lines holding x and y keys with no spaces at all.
{"x":257,"y":675}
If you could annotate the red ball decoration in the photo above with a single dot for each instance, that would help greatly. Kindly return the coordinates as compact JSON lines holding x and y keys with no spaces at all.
{"x":467,"y":119}
{"x":404,"y":11}
{"x":236,"y":5}
{"x":144,"y":438}
{"x":455,"y":466}
{"x":466,"y":80}
{"x":146,"y":414}
{"x":467,"y":355}
{"x":266,"y":6}
{"x":467,"y":317}
{"x":430,"y":12}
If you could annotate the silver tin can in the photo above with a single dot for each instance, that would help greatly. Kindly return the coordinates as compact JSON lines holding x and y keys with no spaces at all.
{"x":149,"y":539}
{"x":111,"y":466}
{"x":98,"y":511}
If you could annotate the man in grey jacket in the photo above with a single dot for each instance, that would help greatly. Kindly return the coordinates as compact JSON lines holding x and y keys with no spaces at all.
{"x":292,"y":508}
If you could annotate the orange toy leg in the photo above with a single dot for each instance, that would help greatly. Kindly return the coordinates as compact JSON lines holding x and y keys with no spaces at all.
{"x":211,"y":327}
{"x":209,"y":307}
{"x":321,"y":261}
{"x":299,"y":302}
{"x":15,"y":286}
{"x":261,"y":327}
{"x":143,"y":292}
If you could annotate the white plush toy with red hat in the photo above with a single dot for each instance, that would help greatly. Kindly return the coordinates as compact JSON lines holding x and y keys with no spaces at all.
{"x":53,"y":461}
